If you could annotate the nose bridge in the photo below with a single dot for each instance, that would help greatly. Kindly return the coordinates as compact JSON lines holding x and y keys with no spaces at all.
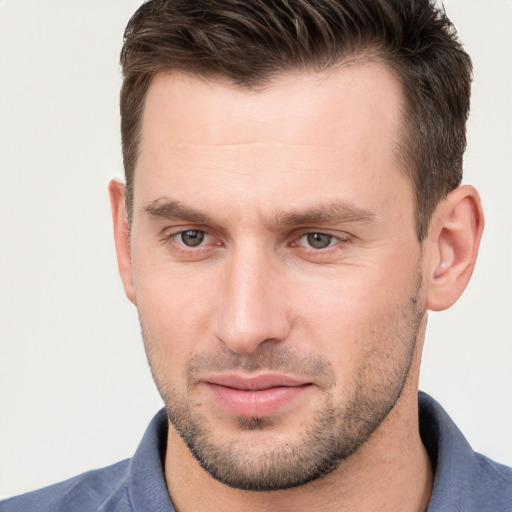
{"x":251,"y":309}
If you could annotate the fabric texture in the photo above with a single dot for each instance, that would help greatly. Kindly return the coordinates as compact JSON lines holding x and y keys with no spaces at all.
{"x":465,"y":481}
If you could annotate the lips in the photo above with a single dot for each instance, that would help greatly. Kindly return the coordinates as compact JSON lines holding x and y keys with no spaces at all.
{"x":255,"y":396}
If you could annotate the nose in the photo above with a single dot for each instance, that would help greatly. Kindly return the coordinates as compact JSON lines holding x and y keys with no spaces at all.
{"x":252,"y":306}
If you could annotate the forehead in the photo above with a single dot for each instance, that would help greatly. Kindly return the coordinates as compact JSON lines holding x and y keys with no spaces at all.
{"x":330,"y":133}
{"x":361,"y":89}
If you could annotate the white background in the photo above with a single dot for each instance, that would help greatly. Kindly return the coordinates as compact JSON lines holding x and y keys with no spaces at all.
{"x":76,"y":393}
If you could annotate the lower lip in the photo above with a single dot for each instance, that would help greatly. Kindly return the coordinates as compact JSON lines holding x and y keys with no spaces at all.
{"x":255,"y":404}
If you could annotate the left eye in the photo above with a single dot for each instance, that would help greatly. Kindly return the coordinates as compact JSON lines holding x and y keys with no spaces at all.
{"x":318,"y":240}
{"x":192,"y":237}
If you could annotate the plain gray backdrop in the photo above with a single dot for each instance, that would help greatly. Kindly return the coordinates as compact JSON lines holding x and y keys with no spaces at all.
{"x":76,"y":392}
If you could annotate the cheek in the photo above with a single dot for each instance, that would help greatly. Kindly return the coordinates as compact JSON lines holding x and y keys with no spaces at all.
{"x":365,"y":311}
{"x":174,"y":308}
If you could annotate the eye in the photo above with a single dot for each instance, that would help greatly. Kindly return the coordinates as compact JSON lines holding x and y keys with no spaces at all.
{"x":318,"y":240}
{"x":192,"y":237}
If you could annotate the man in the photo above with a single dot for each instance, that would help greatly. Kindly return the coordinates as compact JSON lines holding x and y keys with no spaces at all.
{"x":292,"y":209}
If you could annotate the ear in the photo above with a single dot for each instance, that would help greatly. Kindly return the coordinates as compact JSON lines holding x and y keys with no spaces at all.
{"x":455,"y":233}
{"x":121,"y":236}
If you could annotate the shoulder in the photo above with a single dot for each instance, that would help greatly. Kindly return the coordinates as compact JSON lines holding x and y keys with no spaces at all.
{"x":465,"y":480}
{"x":133,"y":484}
{"x":83,"y":493}
{"x":491,"y":484}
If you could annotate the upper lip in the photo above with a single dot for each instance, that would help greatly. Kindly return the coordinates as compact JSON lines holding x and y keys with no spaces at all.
{"x":255,"y":382}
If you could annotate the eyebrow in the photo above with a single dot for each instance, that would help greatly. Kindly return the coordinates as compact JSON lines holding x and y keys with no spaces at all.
{"x":326,"y":214}
{"x":333,"y":212}
{"x":172,"y":210}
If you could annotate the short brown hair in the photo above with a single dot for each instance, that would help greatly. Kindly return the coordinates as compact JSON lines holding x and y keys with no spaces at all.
{"x":251,"y":41}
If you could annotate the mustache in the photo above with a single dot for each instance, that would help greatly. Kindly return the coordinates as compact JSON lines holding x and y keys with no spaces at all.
{"x":271,"y":358}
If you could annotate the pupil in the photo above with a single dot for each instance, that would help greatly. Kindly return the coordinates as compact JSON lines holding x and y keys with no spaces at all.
{"x":318,"y":240}
{"x":192,"y":238}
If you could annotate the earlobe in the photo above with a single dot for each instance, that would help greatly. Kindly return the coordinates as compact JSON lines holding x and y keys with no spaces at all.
{"x":455,"y":233}
{"x":121,"y":236}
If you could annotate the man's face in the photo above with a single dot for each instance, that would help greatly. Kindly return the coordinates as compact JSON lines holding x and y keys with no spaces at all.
{"x":275,"y":267}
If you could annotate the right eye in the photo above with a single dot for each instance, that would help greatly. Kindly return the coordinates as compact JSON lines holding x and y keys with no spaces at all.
{"x":191,"y":237}
{"x":319,"y":240}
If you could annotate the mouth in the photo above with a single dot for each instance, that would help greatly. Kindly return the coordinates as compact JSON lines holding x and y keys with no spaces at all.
{"x":255,"y":396}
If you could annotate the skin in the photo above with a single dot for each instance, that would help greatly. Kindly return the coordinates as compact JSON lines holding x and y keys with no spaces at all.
{"x":256,"y":172}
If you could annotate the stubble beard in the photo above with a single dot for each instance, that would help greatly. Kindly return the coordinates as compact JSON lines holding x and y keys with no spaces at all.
{"x":335,"y":432}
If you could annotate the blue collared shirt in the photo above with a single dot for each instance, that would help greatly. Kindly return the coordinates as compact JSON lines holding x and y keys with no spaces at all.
{"x":465,"y":481}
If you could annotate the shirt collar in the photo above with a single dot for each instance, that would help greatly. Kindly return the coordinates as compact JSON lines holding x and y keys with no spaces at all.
{"x":147,"y":488}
